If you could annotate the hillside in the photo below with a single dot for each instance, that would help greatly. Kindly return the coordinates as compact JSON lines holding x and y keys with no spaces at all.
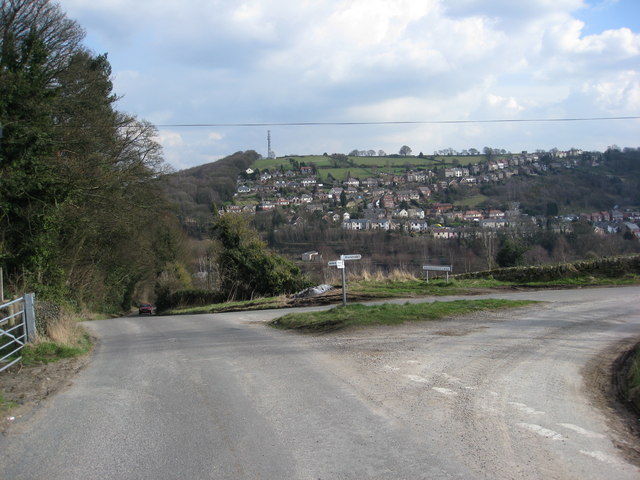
{"x":593,"y":182}
{"x":195,"y":192}
{"x":401,"y":210}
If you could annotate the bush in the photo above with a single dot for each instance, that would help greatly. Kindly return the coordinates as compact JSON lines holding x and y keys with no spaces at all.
{"x":603,"y":267}
{"x":187,"y":298}
{"x":246,"y":266}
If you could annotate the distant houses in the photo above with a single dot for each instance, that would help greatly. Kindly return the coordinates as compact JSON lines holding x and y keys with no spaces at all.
{"x":394,"y":201}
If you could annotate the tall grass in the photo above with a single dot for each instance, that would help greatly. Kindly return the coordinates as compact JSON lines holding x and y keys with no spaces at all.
{"x":58,"y":337}
{"x":367,"y":274}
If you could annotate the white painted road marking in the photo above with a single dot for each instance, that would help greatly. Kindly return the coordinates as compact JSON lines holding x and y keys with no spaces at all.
{"x":543,"y":432}
{"x":526,"y":409}
{"x":603,"y":457}
{"x":445,"y":391}
{"x":581,"y":431}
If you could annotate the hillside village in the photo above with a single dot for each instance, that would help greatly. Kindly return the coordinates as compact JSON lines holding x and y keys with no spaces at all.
{"x":411,"y":201}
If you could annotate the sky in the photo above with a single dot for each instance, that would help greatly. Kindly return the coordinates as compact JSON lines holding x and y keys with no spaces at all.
{"x":358,"y":69}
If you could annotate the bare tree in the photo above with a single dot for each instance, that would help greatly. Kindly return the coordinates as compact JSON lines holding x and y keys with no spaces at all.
{"x":405,"y":151}
{"x":62,"y":37}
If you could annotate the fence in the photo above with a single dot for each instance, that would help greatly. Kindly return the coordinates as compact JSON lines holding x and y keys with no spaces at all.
{"x":17,"y":327}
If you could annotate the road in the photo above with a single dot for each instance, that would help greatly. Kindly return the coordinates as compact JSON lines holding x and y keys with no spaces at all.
{"x":490,"y":396}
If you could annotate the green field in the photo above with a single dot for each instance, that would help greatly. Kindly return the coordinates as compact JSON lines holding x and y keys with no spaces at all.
{"x":362,"y":167}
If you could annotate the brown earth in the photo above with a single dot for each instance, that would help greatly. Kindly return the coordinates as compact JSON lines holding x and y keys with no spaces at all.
{"x":29,"y":386}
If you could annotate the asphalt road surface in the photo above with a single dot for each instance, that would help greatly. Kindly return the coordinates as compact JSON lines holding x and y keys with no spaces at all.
{"x":490,"y":396}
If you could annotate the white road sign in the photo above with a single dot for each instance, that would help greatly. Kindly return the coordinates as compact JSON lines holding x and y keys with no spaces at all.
{"x":437,"y":268}
{"x":351,"y":257}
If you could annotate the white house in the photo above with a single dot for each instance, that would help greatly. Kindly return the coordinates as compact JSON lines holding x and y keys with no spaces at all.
{"x":357,"y":224}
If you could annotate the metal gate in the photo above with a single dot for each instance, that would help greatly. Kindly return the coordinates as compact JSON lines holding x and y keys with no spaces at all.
{"x":17,"y":327}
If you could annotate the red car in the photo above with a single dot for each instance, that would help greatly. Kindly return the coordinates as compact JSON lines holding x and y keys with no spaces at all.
{"x":145,"y":309}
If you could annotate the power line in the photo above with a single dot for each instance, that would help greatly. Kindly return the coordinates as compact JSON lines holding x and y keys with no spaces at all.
{"x":408,"y":122}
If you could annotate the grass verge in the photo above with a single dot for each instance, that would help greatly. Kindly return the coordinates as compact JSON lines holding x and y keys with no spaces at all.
{"x":387,"y":314}
{"x":43,"y":351}
{"x":256,"y":304}
{"x":379,"y":287}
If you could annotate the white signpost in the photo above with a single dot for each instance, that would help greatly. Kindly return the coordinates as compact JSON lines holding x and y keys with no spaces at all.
{"x":340,"y":265}
{"x":438,"y":268}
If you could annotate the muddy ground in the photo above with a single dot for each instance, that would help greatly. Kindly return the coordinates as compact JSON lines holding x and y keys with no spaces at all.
{"x":29,"y":386}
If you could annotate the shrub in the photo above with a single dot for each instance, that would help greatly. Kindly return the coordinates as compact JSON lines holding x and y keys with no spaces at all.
{"x":601,"y":267}
{"x":187,"y":298}
{"x":247,"y":268}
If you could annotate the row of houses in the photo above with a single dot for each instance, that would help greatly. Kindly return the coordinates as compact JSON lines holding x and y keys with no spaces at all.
{"x":415,"y":225}
{"x":611,"y":216}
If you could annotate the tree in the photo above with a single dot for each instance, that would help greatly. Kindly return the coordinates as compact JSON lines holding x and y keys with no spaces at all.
{"x":245,"y":265}
{"x":21,"y":20}
{"x":80,"y":198}
{"x":510,"y":252}
{"x":405,"y":151}
{"x":552,"y":209}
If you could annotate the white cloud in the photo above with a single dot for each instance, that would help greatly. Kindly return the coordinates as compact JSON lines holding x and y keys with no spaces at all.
{"x":215,"y":136}
{"x":504,"y":107}
{"x":203,"y":61}
{"x":617,"y":95}
{"x":170,"y":139}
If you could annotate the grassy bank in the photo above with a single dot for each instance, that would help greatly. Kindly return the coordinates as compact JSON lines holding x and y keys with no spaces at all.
{"x":45,"y":351}
{"x":469,"y":286}
{"x":599,"y":271}
{"x":387,"y":314}
{"x":370,"y":287}
{"x":256,"y":304}
{"x":58,"y":336}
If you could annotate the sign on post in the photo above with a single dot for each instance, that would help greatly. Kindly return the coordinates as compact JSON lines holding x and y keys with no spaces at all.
{"x":438,"y":268}
{"x":340,"y":265}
